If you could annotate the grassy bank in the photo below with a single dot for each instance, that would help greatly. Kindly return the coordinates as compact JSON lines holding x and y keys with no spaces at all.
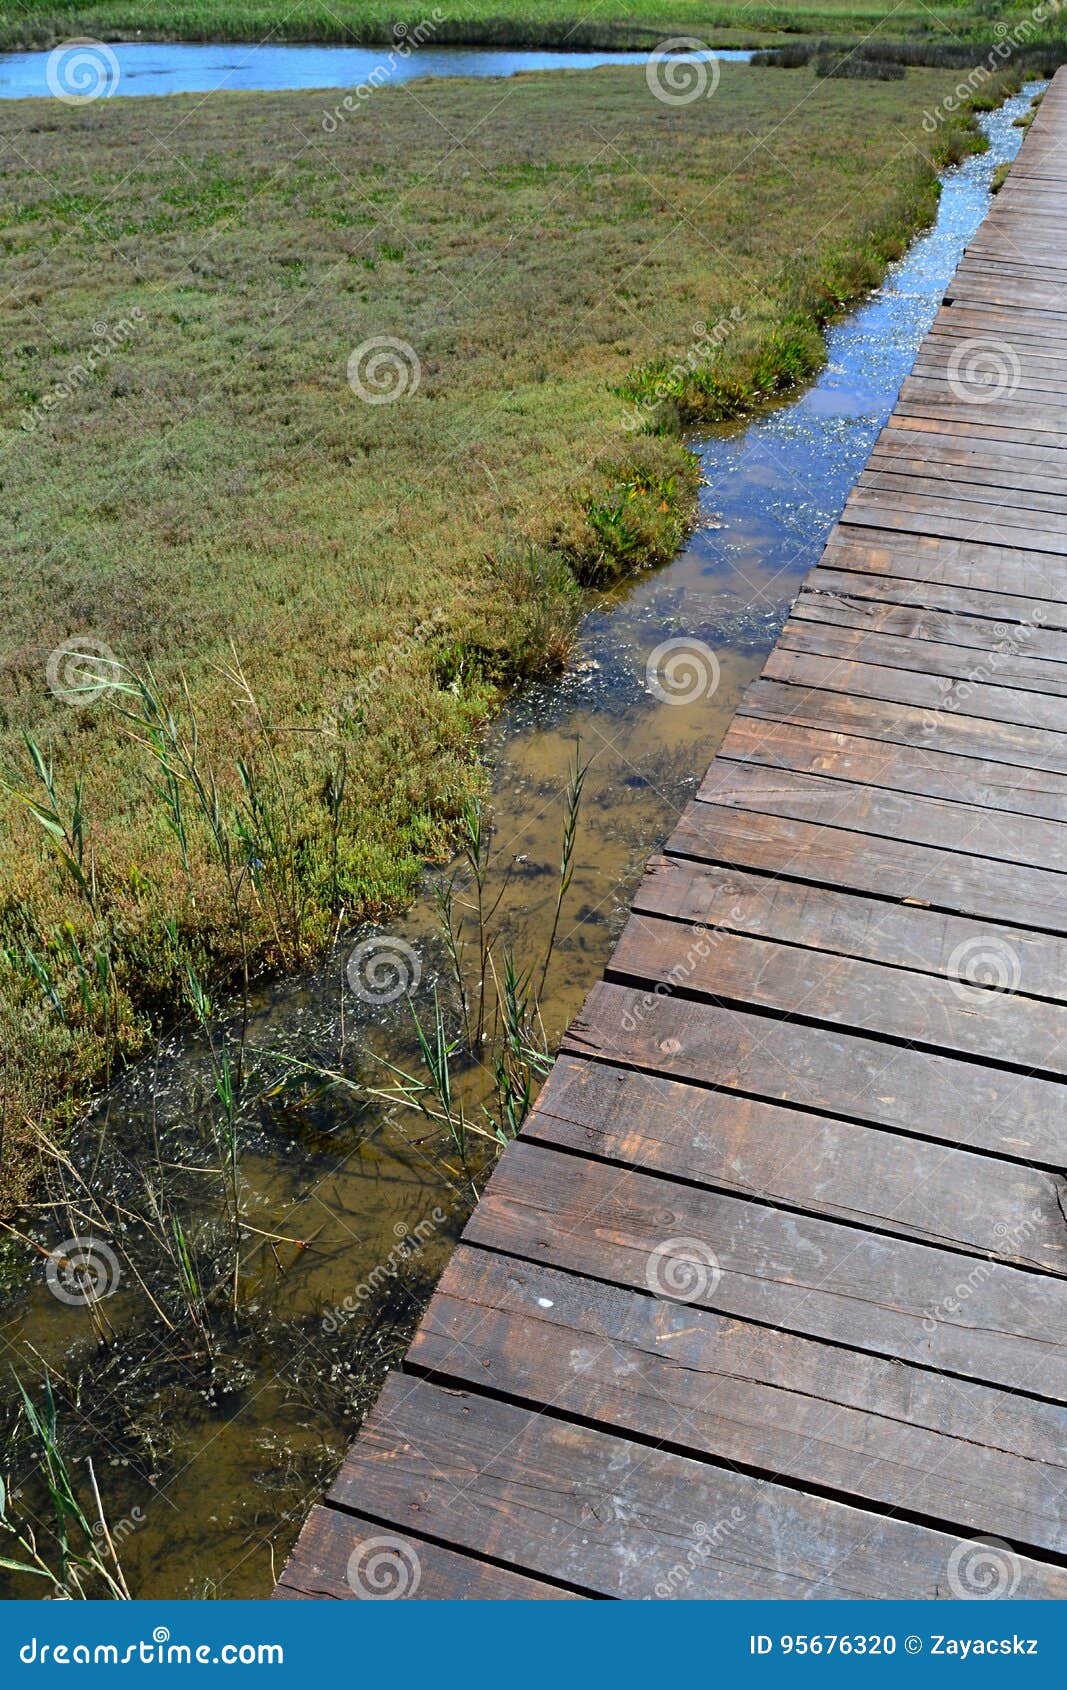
{"x":327,"y":592}
{"x":32,"y":23}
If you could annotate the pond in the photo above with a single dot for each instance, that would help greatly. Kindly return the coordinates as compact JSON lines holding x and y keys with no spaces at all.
{"x":146,"y":67}
{"x":208,"y":1464}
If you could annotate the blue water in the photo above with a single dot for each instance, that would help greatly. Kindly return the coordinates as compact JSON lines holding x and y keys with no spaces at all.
{"x":148,"y":67}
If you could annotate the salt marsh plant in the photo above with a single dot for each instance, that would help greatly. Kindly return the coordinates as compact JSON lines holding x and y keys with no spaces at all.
{"x":76,"y":1551}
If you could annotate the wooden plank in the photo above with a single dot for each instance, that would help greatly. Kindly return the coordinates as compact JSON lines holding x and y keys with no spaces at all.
{"x":760,"y":838}
{"x":891,"y":1002}
{"x":955,"y":520}
{"x":900,"y":768}
{"x":943,"y":729}
{"x":1010,"y":666}
{"x":961,"y":632}
{"x":1021,"y":377}
{"x":1033,"y":575}
{"x":927,"y":398}
{"x":1030,"y":482}
{"x":965,"y":1456}
{"x":799,"y":1273}
{"x":917,"y":416}
{"x":793,"y":1159}
{"x":955,"y":827}
{"x":344,"y":1557}
{"x":1007,"y":497}
{"x":825,"y":1071}
{"x":971,"y":696}
{"x":883,"y":589}
{"x":621,"y":1519}
{"x":842,"y":924}
{"x":962,"y":322}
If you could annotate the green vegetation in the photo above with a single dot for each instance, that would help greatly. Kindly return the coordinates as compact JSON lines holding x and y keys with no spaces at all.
{"x":498,"y":22}
{"x":304,"y":604}
{"x":75,"y":1551}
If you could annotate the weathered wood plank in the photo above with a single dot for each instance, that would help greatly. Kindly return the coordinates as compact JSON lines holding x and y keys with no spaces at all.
{"x":802,"y":849}
{"x":1011,"y":666}
{"x":895,"y":1298}
{"x":963,"y":829}
{"x":343,"y":1557}
{"x":824,"y":919}
{"x":1033,"y":487}
{"x":903,"y":591}
{"x":621,"y":1519}
{"x":965,"y":697}
{"x":826,"y":1071}
{"x":791,"y":1158}
{"x":943,"y":560}
{"x":938,"y":729}
{"x":901,"y":768}
{"x":893,"y":1002}
{"x":955,"y":518}
{"x":971,"y":633}
{"x":965,"y":1456}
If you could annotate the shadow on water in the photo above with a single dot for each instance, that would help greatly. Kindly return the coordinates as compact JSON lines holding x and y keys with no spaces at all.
{"x":205,"y":1465}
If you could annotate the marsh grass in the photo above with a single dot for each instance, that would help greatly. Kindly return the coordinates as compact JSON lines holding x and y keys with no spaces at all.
{"x":771,"y":351}
{"x":76,"y":1552}
{"x":314,"y":603}
{"x":512,"y":23}
{"x":1033,"y":57}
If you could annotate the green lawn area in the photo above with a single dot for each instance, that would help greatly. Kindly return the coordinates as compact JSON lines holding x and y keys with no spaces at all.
{"x":194,"y":475}
{"x":515,"y":22}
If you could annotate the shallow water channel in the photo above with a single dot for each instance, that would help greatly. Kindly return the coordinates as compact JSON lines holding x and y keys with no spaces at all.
{"x":133,"y":68}
{"x":208,"y":1468}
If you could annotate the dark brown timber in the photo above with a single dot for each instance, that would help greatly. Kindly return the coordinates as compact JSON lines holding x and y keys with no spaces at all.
{"x":770,"y":1298}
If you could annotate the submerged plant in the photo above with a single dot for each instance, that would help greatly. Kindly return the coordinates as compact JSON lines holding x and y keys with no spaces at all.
{"x":483,"y":1054}
{"x":481,"y":1079}
{"x":79,"y":1556}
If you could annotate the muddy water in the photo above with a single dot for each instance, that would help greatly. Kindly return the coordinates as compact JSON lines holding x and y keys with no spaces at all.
{"x":207,"y":1470}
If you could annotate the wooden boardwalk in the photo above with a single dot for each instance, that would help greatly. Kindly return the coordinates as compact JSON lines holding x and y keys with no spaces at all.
{"x":770,"y":1299}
